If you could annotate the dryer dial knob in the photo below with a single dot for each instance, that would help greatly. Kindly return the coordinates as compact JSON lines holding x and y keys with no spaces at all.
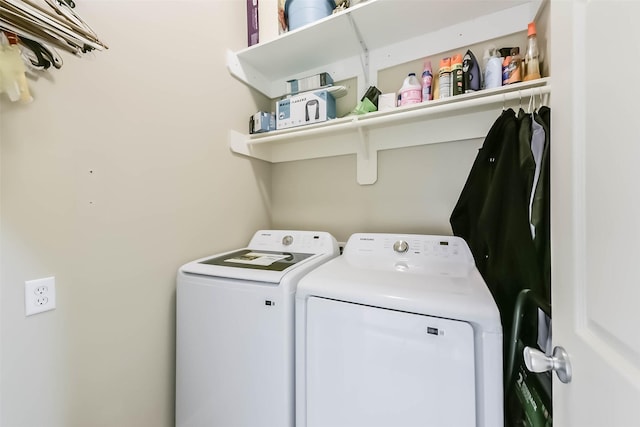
{"x":287,"y":240}
{"x":401,"y":246}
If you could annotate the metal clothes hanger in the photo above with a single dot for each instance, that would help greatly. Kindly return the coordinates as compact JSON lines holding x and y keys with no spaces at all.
{"x":60,"y":25}
{"x":36,"y":29}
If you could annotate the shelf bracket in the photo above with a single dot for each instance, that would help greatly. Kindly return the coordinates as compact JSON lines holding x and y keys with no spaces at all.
{"x":364,"y":57}
{"x":366,"y":159}
{"x":363,"y":143}
{"x":249,"y":75}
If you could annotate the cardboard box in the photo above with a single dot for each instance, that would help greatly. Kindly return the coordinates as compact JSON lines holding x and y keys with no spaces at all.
{"x":304,"y":109}
{"x":252,"y":23}
{"x":310,"y":83}
{"x":387,"y":101}
{"x":262,"y":122}
{"x":268,"y":21}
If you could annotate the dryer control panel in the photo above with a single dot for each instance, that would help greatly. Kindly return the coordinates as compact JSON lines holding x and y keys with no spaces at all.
{"x":412,"y":249}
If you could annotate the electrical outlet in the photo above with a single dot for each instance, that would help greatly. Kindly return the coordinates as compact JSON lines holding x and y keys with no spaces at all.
{"x":39,"y":295}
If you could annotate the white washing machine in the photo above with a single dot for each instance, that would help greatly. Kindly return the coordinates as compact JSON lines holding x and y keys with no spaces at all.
{"x":235,"y":330}
{"x":399,"y":331}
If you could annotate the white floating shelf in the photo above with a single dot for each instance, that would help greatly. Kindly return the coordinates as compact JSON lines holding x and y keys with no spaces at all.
{"x":375,"y":35}
{"x":458,"y":118}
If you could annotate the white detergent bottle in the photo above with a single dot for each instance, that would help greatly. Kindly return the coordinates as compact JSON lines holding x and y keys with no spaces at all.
{"x":411,"y":90}
{"x":492,"y":68}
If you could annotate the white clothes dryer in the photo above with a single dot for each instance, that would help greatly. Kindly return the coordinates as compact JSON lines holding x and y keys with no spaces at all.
{"x":401,"y":331}
{"x":235,"y":330}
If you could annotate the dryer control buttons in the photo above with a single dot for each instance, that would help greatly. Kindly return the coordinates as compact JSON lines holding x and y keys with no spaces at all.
{"x":287,"y":240}
{"x":401,"y":246}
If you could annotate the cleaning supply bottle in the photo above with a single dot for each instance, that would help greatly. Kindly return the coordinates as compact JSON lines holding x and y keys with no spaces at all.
{"x":444,"y":76}
{"x":505,"y":53}
{"x":457,"y":77}
{"x":515,"y":66}
{"x":411,"y":90}
{"x":492,"y":68}
{"x":427,"y":79}
{"x":531,"y":56}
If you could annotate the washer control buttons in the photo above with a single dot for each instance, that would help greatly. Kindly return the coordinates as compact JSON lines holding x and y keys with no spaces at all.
{"x":401,"y":246}
{"x":287,"y":240}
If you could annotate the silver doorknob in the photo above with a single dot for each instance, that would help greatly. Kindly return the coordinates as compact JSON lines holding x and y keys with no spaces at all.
{"x":537,"y":361}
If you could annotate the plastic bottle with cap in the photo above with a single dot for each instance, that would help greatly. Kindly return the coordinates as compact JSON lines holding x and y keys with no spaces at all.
{"x":427,"y":79}
{"x":411,"y":90}
{"x":492,"y":68}
{"x":457,"y":75}
{"x":445,"y":78}
{"x":532,"y":55}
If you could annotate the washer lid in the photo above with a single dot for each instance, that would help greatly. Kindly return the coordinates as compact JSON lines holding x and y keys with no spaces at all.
{"x":270,"y":255}
{"x":248,"y":264}
{"x":257,"y":260}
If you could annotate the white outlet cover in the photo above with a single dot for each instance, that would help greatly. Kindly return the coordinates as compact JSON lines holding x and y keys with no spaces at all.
{"x":39,"y":295}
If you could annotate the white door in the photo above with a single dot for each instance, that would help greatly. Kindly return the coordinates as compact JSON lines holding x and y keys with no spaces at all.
{"x":595,"y":166}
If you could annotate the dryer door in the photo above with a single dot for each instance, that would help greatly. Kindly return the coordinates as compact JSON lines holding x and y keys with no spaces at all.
{"x":372,"y":367}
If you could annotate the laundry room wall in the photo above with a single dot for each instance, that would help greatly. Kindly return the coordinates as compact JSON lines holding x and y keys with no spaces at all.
{"x":114,"y":176}
{"x":417,"y":187}
{"x":416,"y":191}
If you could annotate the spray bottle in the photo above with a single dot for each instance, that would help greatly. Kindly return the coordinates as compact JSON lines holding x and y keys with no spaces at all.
{"x":445,"y":78}
{"x":457,"y":75}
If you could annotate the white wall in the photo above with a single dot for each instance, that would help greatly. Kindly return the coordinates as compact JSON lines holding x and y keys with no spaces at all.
{"x":117,"y":174}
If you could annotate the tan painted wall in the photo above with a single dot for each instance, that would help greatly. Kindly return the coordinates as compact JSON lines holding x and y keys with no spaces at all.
{"x":417,"y":187}
{"x":416,"y":190}
{"x":117,"y":174}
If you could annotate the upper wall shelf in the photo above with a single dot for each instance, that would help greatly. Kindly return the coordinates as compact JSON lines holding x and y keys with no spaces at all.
{"x":458,"y":118}
{"x":375,"y":35}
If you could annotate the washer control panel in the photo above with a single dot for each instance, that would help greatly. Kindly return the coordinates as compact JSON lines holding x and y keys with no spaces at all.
{"x":311,"y":242}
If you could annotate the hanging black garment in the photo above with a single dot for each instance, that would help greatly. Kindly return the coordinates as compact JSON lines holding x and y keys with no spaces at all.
{"x":492,"y":213}
{"x":498,"y":218}
{"x":464,"y":219}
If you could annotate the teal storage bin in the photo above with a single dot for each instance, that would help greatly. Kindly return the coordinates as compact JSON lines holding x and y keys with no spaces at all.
{"x":302,"y":12}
